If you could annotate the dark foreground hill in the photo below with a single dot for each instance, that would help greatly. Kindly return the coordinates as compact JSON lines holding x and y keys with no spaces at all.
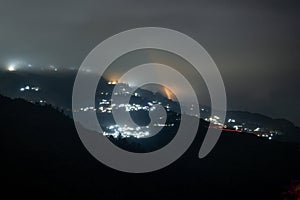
{"x":42,"y":157}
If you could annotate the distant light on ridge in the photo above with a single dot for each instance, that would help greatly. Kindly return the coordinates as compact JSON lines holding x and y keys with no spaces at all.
{"x":11,"y":68}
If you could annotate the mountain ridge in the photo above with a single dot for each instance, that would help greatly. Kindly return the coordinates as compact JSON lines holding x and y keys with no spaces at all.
{"x":42,"y":156}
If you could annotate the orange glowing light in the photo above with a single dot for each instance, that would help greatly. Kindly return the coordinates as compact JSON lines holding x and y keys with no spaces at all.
{"x":168,"y":93}
{"x":112,"y":82}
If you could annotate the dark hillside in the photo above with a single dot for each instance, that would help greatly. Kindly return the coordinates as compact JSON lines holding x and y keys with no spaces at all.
{"x":42,"y":157}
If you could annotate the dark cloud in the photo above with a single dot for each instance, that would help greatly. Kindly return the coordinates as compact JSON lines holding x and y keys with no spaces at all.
{"x":255,"y":43}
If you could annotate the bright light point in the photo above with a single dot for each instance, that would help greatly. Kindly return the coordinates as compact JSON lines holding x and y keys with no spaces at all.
{"x":11,"y":68}
{"x":22,"y":89}
{"x":53,"y":68}
{"x":112,"y":82}
{"x":29,"y":65}
{"x":35,"y":89}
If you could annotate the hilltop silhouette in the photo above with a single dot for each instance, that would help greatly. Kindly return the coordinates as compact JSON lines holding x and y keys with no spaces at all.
{"x":43,"y":157}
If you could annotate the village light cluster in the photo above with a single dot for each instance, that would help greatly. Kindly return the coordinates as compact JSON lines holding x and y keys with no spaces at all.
{"x":28,"y":88}
{"x":107,"y":106}
{"x":126,"y":131}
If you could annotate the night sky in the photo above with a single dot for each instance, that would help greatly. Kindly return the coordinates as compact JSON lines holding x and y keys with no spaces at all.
{"x":255,"y":44}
